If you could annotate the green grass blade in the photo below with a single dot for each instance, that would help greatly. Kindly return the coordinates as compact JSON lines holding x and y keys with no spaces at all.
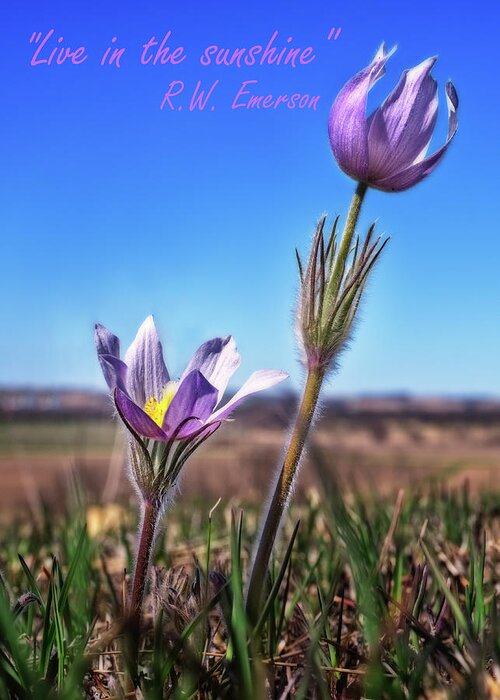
{"x":450,"y":598}
{"x":34,"y":588}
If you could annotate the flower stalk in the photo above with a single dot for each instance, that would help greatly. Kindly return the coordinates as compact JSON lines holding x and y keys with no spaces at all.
{"x":350,"y":228}
{"x":151,"y":511}
{"x":331,"y":289}
{"x":150,"y":514}
{"x":282,"y":491}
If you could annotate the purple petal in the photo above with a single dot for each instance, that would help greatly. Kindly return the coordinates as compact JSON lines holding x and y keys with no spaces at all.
{"x":106,"y":344}
{"x":401,"y":129}
{"x":137,"y":418}
{"x":217,"y":360}
{"x":147,"y":374}
{"x":206,"y":431}
{"x":258,"y":381}
{"x":412,"y":175}
{"x":115,"y":371}
{"x":195,"y":398}
{"x":195,"y":429}
{"x":347,"y":123}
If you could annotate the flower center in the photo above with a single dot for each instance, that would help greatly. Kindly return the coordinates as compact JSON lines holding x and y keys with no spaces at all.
{"x":157,"y":409}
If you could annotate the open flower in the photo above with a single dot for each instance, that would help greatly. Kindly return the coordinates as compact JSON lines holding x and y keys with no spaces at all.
{"x":153,"y":405}
{"x":167,"y":420}
{"x":387,"y":150}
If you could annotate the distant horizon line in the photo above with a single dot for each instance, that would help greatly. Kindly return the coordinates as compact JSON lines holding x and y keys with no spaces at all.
{"x":394,"y":394}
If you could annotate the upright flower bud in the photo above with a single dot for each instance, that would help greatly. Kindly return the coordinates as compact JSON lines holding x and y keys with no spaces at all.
{"x":331,"y":288}
{"x":388,"y":149}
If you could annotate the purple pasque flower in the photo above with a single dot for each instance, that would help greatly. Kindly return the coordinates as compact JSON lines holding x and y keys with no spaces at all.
{"x":153,"y":405}
{"x":388,"y":149}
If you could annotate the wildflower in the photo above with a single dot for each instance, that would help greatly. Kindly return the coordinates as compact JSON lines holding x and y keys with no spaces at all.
{"x":167,"y":420}
{"x":155,"y":408}
{"x":387,"y":150}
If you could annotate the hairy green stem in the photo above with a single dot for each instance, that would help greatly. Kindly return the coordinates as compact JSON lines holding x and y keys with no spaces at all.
{"x":282,"y":491}
{"x":346,"y":240}
{"x":352,"y":219}
{"x":303,"y":421}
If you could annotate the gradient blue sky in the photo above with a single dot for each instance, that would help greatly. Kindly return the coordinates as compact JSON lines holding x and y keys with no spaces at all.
{"x":111,"y":209}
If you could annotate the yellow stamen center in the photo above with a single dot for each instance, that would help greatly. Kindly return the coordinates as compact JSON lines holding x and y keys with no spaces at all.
{"x":157,"y":409}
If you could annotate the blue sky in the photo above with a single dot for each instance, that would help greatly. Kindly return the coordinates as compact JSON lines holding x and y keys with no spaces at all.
{"x":111,"y":209}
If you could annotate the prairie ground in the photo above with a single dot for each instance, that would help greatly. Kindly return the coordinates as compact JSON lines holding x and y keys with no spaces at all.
{"x":384,"y":583}
{"x":376,"y":448}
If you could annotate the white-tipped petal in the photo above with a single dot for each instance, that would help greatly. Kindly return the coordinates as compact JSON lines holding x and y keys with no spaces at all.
{"x":147,"y":373}
{"x":258,"y":381}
